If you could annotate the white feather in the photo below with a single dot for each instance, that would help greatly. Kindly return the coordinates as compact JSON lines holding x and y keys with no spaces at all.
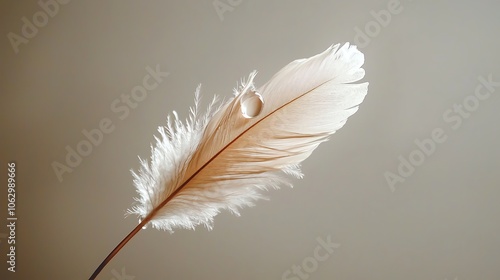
{"x":223,"y":160}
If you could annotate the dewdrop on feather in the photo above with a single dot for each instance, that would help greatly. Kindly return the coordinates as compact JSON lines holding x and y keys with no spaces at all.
{"x":251,"y":104}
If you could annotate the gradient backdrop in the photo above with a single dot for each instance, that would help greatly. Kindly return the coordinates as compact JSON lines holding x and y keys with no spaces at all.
{"x":436,"y":218}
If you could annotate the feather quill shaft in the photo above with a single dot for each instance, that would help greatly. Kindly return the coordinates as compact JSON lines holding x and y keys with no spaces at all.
{"x":226,"y":157}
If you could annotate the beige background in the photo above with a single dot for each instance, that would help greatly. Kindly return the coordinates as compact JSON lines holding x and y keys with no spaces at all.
{"x":441,"y":223}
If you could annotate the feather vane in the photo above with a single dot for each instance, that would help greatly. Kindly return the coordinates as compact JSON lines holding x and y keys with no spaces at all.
{"x":226,"y":157}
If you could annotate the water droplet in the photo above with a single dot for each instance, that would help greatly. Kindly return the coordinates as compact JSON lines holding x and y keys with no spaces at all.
{"x":145,"y":226}
{"x":251,"y":104}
